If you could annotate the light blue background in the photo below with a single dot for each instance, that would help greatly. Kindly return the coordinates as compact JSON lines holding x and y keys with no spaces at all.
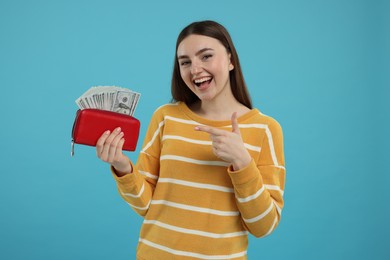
{"x":321,"y":68}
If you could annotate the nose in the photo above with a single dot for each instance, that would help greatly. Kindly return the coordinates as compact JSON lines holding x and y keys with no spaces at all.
{"x":195,"y":68}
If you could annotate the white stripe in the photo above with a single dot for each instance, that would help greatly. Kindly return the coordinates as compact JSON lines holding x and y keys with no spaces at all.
{"x":262,"y":126}
{"x":154,"y":136}
{"x":190,"y":160}
{"x":191,"y":254}
{"x":188,"y":122}
{"x":252,"y":147}
{"x":271,"y":146}
{"x":145,"y":153}
{"x":195,"y":232}
{"x":139,"y":208}
{"x":135,"y":196}
{"x":148,"y":174}
{"x":165,"y":105}
{"x":251,"y":197}
{"x":274,"y":187}
{"x":271,"y":229}
{"x":280,"y":166}
{"x":278,"y":208}
{"x":196,"y":209}
{"x":197,"y":185}
{"x":262,"y":215}
{"x":273,"y":226}
{"x":270,"y":140}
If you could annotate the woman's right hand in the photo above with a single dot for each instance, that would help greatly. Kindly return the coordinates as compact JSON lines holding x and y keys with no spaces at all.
{"x":109,"y":149}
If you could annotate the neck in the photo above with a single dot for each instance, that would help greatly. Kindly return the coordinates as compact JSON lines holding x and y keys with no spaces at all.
{"x":219,"y":110}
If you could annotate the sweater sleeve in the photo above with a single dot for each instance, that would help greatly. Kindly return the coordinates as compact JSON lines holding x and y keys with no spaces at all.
{"x":137,"y":188}
{"x":259,"y":187}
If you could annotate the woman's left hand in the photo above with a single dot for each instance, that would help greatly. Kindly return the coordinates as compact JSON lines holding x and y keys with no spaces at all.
{"x":228,"y":146}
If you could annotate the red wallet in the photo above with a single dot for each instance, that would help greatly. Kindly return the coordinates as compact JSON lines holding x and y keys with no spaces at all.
{"x":90,"y":124}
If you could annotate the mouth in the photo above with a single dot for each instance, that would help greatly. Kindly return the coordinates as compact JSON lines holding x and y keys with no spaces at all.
{"x":202,"y":81}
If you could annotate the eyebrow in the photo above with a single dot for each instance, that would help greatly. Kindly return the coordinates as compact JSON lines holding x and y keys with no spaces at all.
{"x":196,"y":54}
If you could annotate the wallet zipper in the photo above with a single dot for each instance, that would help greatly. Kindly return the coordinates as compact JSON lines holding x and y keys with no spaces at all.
{"x":72,"y":140}
{"x":72,"y":148}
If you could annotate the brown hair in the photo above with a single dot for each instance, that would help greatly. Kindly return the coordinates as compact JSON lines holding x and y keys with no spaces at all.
{"x":180,"y":91}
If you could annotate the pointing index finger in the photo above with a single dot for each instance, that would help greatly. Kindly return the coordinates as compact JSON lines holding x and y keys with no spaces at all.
{"x":208,"y":129}
{"x":235,"y":127}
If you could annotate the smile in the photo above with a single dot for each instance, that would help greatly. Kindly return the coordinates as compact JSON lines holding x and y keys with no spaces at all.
{"x":205,"y":80}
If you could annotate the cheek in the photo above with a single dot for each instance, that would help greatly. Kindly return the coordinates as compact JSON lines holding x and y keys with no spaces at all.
{"x":220,"y":67}
{"x":225,"y":65}
{"x":185,"y":76}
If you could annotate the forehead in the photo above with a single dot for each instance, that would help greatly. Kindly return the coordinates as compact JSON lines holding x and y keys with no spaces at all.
{"x":193,"y":43}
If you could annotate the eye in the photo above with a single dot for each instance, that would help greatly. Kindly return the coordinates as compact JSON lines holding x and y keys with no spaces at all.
{"x":207,"y":56}
{"x":184,"y":62}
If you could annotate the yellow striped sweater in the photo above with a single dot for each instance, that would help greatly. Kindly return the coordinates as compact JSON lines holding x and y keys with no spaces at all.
{"x":194,"y":205}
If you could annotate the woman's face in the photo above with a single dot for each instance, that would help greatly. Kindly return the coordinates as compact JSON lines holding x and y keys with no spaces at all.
{"x":204,"y":66}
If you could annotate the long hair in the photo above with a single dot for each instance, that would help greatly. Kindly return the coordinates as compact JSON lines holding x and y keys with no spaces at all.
{"x":180,"y":91}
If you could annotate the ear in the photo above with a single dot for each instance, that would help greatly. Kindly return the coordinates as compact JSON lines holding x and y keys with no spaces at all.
{"x":231,"y":66}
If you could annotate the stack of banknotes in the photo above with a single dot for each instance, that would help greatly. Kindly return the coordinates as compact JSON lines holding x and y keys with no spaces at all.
{"x":111,"y":98}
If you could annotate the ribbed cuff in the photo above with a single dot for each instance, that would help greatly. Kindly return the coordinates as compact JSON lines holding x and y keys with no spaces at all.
{"x":244,"y":175}
{"x":127,"y":180}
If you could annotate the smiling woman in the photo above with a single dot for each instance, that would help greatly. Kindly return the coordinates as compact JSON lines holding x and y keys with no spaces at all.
{"x":205,"y":66}
{"x":211,"y":169}
{"x":216,"y":34}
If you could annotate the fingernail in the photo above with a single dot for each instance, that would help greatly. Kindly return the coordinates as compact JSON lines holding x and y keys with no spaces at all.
{"x":121,"y":134}
{"x":118,"y":129}
{"x":197,"y":128}
{"x":107,"y":132}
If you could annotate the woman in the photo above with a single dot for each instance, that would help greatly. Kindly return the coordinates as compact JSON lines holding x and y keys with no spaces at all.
{"x":211,"y":169}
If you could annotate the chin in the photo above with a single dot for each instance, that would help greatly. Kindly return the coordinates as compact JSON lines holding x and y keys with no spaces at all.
{"x":205,"y":97}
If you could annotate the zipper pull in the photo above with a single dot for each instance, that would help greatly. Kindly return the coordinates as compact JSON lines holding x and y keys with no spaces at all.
{"x":72,"y":148}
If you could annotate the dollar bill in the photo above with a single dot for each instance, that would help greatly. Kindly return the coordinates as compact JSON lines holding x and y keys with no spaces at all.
{"x":112,"y":98}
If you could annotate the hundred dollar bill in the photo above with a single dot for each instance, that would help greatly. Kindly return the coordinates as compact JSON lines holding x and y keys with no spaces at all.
{"x":113,"y":98}
{"x":125,"y":101}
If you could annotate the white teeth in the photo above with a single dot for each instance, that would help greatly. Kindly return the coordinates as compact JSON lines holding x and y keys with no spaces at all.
{"x":201,"y":80}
